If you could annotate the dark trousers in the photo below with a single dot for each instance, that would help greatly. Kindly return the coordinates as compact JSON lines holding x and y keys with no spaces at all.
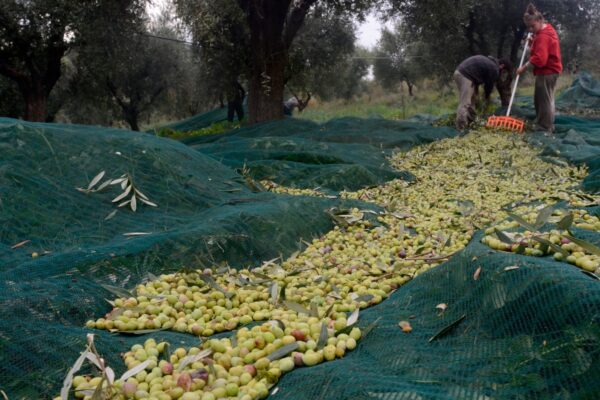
{"x":543,"y":99}
{"x":235,"y":107}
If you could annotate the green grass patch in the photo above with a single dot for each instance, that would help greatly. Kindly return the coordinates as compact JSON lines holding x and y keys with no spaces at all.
{"x":216,"y":128}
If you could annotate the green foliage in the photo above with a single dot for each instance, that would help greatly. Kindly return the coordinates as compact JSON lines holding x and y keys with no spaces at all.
{"x":215,"y":128}
{"x":129,"y":74}
{"x":35,"y":35}
{"x":321,"y":58}
{"x":454,"y":30}
{"x":222,"y":41}
{"x":398,"y":58}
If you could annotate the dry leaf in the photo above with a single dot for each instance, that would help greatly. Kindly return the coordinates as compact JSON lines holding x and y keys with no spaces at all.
{"x":405,"y":326}
{"x":442,"y":307}
{"x":24,"y":242}
{"x":95,"y":180}
{"x":135,"y":370}
{"x":477,"y":273}
{"x":512,"y":267}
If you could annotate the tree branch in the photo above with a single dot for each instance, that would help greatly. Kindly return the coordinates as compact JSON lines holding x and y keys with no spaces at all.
{"x":113,"y":90}
{"x":295,"y":19}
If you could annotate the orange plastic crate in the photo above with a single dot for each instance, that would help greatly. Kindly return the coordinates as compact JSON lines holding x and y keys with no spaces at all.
{"x":507,"y":123}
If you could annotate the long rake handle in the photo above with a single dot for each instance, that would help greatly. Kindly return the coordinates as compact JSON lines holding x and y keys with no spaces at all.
{"x":514,"y":91}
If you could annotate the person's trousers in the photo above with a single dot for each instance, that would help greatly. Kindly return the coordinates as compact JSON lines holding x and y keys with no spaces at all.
{"x":235,"y":107}
{"x":543,"y":99}
{"x":465,"y":113}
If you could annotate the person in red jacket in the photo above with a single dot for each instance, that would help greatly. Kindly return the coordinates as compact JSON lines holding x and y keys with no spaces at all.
{"x":546,"y":61}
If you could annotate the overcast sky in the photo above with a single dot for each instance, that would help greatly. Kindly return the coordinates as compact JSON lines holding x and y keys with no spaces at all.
{"x":368,"y":32}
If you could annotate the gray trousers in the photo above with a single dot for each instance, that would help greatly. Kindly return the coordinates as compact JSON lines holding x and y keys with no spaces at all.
{"x":465,"y":113}
{"x":543,"y":99}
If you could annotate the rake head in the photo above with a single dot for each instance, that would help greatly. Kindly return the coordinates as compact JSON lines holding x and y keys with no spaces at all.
{"x":506,"y":123}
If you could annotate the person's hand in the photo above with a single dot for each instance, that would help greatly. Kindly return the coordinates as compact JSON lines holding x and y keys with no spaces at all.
{"x":521,"y":69}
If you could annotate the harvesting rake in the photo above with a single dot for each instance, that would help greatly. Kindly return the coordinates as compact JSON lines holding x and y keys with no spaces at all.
{"x":506,"y":122}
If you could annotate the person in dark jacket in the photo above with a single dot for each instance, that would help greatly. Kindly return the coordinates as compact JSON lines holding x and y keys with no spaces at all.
{"x":546,"y":61}
{"x":476,"y":71}
{"x":235,"y":101}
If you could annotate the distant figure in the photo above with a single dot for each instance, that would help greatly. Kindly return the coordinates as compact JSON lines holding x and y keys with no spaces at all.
{"x":546,"y":61}
{"x":235,"y":101}
{"x":295,"y":102}
{"x":289,"y":105}
{"x":475,"y":71}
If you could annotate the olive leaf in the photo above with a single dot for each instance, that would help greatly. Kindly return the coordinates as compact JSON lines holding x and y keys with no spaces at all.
{"x":117,"y":291}
{"x":503,"y":237}
{"x":584,"y":245}
{"x":323,"y":336}
{"x":283,"y":351}
{"x":135,"y":370}
{"x":370,"y":327}
{"x":68,"y":382}
{"x":364,"y":297}
{"x":212,"y":283}
{"x":96,"y":180}
{"x":549,"y":244}
{"x":122,"y":195}
{"x":447,"y":329}
{"x":193,"y":358}
{"x":274,"y":291}
{"x":314,"y":310}
{"x":566,"y":221}
{"x":522,"y":222}
{"x":111,"y":215}
{"x":292,"y":305}
{"x":353,"y":317}
{"x":97,"y":395}
{"x":543,"y":216}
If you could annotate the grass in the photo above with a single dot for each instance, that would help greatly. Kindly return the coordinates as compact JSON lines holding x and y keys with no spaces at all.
{"x":429,"y":98}
{"x":217,"y":127}
{"x":396,"y":104}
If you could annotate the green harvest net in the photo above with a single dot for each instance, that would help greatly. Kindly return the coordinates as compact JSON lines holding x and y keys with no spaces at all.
{"x":531,"y":332}
{"x":583,"y":95}
{"x":198,"y":121}
{"x":206,"y":214}
{"x":343,"y":154}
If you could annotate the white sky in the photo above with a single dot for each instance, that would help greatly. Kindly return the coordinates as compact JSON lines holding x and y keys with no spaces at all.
{"x":368,"y":32}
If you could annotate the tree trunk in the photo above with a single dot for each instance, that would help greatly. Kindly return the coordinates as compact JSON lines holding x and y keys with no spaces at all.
{"x":269,"y":58}
{"x":518,"y":32}
{"x":36,"y":102}
{"x":131,"y":116}
{"x":410,"y":88}
{"x":265,"y":100}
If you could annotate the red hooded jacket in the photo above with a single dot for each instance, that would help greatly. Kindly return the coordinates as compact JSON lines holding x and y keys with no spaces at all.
{"x":545,"y":52}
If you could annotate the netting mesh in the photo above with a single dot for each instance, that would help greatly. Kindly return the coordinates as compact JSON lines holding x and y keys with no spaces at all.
{"x":515,"y":341}
{"x":207,"y":214}
{"x":198,"y":121}
{"x":526,"y":332}
{"x":583,"y":95}
{"x":343,"y":154}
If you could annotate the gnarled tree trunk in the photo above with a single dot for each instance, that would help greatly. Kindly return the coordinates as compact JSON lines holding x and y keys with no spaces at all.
{"x":273,"y":26}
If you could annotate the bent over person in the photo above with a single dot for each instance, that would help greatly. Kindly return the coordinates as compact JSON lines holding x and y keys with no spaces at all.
{"x":546,"y":61}
{"x":469,"y":75}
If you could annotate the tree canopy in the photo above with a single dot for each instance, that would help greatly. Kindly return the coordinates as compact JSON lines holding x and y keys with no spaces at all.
{"x":35,"y":35}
